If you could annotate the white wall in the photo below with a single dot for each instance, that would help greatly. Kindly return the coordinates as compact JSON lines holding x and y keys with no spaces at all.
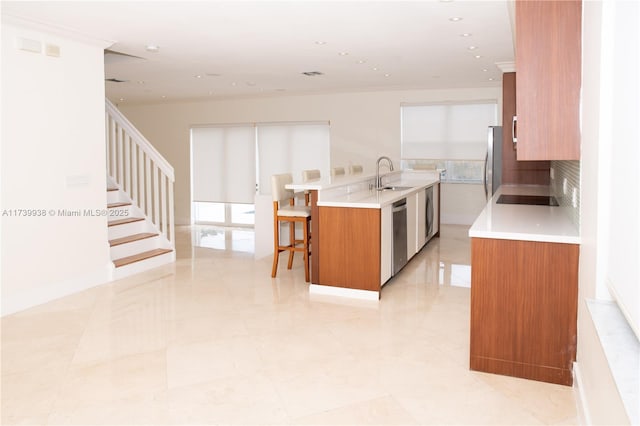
{"x":599,"y":394}
{"x":53,"y":157}
{"x":363,"y":125}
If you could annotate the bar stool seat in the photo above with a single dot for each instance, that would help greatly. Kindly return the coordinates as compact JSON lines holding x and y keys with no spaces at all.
{"x":355,"y":169}
{"x":285,"y":211}
{"x":337,"y":171}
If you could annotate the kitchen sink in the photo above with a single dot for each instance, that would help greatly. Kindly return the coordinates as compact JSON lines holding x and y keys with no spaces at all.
{"x":395,"y":188}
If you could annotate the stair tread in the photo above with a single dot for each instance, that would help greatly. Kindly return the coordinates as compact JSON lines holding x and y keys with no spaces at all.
{"x":131,"y":238}
{"x":111,"y":189}
{"x":118,"y":204}
{"x":124,"y":221}
{"x":140,"y":256}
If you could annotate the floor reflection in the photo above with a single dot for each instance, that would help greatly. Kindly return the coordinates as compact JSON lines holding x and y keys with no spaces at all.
{"x":455,"y":274}
{"x":223,"y":238}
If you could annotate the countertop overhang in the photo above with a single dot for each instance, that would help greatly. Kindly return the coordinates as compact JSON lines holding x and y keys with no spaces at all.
{"x":525,"y":222}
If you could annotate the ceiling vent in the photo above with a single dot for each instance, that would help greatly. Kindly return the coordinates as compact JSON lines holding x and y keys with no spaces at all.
{"x":312,"y":73}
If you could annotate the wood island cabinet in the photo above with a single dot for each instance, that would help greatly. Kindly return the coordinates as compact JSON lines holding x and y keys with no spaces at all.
{"x":349,"y":247}
{"x":524,"y":308}
{"x":548,"y":61}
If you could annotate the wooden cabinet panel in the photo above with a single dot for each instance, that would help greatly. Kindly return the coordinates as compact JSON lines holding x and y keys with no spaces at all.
{"x":514,"y":171}
{"x":349,"y":247}
{"x":524,"y":308}
{"x":548,"y":59}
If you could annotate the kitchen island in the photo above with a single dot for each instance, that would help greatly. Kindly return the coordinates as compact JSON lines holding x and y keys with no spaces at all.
{"x":524,"y":289}
{"x":352,"y":229}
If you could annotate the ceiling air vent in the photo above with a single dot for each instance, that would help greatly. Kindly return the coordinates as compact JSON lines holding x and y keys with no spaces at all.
{"x":312,"y":73}
{"x":115,"y":80}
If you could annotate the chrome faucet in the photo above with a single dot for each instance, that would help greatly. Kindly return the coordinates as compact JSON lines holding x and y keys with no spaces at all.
{"x":378,"y":178}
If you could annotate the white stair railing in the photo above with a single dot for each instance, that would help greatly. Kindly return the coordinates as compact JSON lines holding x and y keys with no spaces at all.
{"x":140,"y":171}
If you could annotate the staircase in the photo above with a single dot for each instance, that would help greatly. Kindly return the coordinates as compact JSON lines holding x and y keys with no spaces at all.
{"x":139,"y":199}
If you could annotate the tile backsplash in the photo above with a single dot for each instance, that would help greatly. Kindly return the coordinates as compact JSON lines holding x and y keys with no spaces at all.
{"x":569,"y":170}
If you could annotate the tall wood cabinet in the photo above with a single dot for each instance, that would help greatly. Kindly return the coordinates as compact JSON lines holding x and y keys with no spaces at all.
{"x":548,"y":60}
{"x":514,"y":171}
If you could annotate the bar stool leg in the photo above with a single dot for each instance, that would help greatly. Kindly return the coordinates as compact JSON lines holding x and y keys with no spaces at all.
{"x":306,"y":250}
{"x":276,"y":247}
{"x":292,"y":243}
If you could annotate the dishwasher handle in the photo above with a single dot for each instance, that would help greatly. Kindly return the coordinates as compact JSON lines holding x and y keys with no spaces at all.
{"x":399,"y":206}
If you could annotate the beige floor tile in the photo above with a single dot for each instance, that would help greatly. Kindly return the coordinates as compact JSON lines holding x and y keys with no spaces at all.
{"x":213,"y":339}
{"x":207,"y":360}
{"x":379,"y":411}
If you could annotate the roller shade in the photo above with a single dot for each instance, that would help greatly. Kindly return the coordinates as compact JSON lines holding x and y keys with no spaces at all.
{"x":291,"y":148}
{"x":223,"y":164}
{"x":447,"y":131}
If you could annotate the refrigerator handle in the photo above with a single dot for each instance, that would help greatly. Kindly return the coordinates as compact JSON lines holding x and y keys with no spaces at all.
{"x":514,"y":121}
{"x":486,"y":189}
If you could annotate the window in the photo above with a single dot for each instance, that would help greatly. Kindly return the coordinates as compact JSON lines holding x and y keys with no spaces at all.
{"x":223,"y":174}
{"x":291,"y":148}
{"x":228,"y":163}
{"x":450,"y":136}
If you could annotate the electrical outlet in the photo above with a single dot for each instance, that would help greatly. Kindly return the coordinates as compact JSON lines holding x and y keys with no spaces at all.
{"x":574,"y":197}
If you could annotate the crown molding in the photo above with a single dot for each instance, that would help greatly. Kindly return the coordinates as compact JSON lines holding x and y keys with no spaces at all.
{"x":30,"y":24}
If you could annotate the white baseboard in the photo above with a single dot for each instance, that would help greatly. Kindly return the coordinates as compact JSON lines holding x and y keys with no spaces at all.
{"x":584,"y":418}
{"x":344,"y":292}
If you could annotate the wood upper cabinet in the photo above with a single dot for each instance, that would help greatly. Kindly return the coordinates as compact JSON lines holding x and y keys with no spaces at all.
{"x":548,"y":60}
{"x":514,"y":171}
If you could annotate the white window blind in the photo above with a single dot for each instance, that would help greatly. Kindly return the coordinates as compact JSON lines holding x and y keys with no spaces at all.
{"x":223,"y":164}
{"x":447,"y":131}
{"x":291,"y":148}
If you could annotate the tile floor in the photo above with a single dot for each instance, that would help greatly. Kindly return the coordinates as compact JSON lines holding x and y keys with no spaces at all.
{"x":212,"y":339}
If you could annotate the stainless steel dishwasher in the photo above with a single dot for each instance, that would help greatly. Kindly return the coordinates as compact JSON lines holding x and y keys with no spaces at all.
{"x":399,"y":243}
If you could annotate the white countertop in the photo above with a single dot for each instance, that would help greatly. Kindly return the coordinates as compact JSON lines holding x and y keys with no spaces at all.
{"x":524,"y":222}
{"x":355,"y":192}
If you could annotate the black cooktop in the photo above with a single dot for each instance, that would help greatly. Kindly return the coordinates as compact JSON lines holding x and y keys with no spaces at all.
{"x":535,"y":200}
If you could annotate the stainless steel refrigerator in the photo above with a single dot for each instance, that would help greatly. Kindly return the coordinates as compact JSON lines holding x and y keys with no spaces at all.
{"x":493,"y":161}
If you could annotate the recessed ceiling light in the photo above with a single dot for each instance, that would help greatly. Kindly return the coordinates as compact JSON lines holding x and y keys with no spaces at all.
{"x":140,"y":82}
{"x":465,"y":35}
{"x":152,"y":48}
{"x":198,"y":76}
{"x":485,"y":70}
{"x":164,"y":96}
{"x":472,"y":47}
{"x":490,"y":78}
{"x":321,"y":42}
{"x":455,"y":19}
{"x":343,"y":53}
{"x":477,"y":56}
{"x":374,"y":69}
{"x":121,"y":99}
{"x":361,"y":61}
{"x":387,"y":75}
